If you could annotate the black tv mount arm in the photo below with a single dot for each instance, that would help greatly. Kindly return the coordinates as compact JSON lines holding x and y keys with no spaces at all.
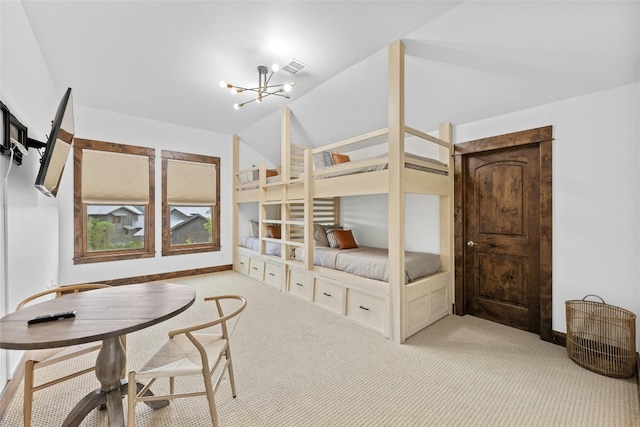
{"x":35,"y":144}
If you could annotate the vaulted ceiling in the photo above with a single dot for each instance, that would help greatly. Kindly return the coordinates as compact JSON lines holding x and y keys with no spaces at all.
{"x":163,"y":60}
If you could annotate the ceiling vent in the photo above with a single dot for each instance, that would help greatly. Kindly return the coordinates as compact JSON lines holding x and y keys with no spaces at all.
{"x":294,"y":66}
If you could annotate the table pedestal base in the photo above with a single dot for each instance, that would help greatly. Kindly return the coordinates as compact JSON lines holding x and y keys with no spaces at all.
{"x":110,"y":368}
{"x":99,"y":398}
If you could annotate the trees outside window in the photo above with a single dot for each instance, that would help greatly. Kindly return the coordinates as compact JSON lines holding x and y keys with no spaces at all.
{"x":113,"y":201}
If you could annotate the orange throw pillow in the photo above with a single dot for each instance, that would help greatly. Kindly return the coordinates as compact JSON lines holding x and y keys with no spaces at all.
{"x":272,"y":172}
{"x":274,"y":231}
{"x":345,"y":239}
{"x":340,"y":158}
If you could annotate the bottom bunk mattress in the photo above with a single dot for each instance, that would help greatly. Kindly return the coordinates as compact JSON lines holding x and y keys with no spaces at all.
{"x":253,"y":243}
{"x":373,"y":263}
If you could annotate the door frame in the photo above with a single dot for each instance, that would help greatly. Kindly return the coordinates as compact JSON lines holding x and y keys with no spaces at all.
{"x":541,"y":137}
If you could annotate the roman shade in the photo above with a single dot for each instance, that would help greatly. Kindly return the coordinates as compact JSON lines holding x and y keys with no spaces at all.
{"x":191,"y":183}
{"x":114,"y":178}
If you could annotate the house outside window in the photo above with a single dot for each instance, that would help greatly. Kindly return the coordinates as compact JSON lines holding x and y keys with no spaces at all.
{"x":113,"y":201}
{"x":112,"y":227}
{"x":190,"y":203}
{"x":190,"y":224}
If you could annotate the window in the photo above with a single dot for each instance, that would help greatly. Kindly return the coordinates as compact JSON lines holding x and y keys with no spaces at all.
{"x":190,"y":203}
{"x":113,"y":201}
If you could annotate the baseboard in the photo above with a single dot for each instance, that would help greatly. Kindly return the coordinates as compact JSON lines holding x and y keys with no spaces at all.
{"x":166,"y":276}
{"x":559,"y":338}
{"x":10,"y":388}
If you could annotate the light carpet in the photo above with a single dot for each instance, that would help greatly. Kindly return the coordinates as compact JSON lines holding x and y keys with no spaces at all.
{"x":298,"y":365}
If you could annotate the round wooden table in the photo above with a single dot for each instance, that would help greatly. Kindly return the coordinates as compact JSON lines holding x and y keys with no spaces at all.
{"x":102,"y":314}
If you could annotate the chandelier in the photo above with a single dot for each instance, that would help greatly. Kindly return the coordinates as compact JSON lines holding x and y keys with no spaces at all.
{"x":264,"y":89}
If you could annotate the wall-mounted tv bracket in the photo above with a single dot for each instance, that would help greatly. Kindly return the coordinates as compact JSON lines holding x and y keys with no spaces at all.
{"x":14,"y":137}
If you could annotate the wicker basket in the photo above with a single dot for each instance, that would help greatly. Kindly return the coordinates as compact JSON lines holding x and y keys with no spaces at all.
{"x":601,"y":337}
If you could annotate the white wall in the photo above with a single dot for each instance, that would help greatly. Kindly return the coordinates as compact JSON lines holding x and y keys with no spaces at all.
{"x":422,"y":228}
{"x":596,"y":193}
{"x":32,"y":219}
{"x":111,"y":127}
{"x":422,"y":211}
{"x":40,"y":229}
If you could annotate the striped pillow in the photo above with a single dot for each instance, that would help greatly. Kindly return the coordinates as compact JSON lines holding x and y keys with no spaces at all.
{"x":331,"y":238}
{"x":328,"y":159}
{"x":318,"y":161}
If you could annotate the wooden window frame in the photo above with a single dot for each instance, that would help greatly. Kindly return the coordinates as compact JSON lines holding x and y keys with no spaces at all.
{"x":214,"y":245}
{"x":81,"y":255}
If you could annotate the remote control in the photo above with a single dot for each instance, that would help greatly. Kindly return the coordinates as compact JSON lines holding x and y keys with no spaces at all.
{"x":51,"y":317}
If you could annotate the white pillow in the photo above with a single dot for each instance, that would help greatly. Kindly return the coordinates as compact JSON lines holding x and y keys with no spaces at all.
{"x":254,"y":228}
{"x":320,"y":236}
{"x":245,"y":177}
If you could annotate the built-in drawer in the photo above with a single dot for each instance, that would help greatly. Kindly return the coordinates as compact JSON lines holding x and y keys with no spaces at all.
{"x":256,"y":268}
{"x":242,"y":264}
{"x":301,"y":284}
{"x":273,"y":274}
{"x":329,"y":295}
{"x":366,"y":309}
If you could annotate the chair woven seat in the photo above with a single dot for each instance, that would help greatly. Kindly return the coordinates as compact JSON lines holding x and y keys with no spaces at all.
{"x":188,"y":351}
{"x":179,"y":357}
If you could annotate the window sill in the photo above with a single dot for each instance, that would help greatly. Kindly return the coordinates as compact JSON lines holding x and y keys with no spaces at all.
{"x":120,"y":256}
{"x":190,"y":250}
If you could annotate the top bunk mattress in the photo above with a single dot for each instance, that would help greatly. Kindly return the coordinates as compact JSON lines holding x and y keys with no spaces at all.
{"x":411,"y":162}
{"x":253,"y":184}
{"x":373,"y":263}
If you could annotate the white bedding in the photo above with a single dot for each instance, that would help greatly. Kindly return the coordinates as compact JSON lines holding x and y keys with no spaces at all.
{"x":251,"y":185}
{"x":382,"y":166}
{"x":373,"y":263}
{"x":253,"y":243}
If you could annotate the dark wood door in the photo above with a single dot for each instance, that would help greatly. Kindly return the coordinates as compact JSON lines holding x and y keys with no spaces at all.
{"x":502,"y":236}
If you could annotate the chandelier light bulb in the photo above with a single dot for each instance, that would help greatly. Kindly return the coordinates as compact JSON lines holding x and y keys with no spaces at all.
{"x":263,"y":89}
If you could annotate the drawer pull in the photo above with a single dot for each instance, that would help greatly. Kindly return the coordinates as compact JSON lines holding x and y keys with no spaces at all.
{"x":271,"y":274}
{"x":364,"y":308}
{"x":241,"y":263}
{"x":299,"y":284}
{"x":324,"y":293}
{"x":255,"y":268}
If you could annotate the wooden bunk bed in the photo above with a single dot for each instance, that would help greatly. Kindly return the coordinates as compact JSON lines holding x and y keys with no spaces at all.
{"x":305,"y":197}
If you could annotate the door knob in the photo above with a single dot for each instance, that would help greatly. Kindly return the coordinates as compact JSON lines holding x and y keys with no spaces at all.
{"x":471,"y":243}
